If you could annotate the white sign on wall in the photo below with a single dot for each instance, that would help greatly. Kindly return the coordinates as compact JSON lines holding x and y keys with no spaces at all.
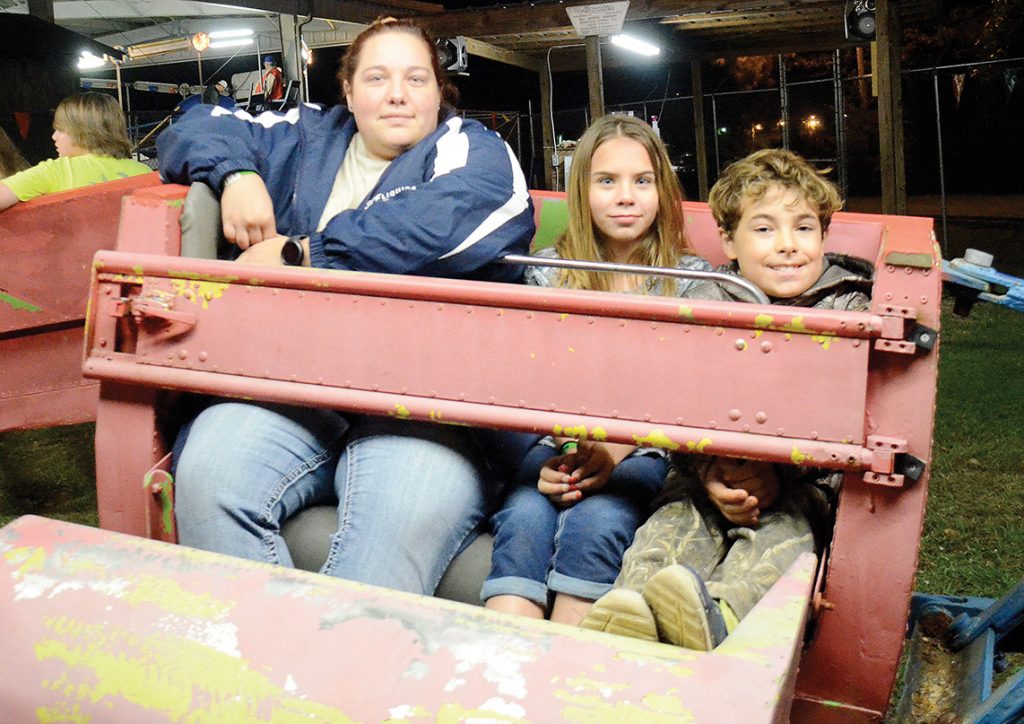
{"x":599,"y":19}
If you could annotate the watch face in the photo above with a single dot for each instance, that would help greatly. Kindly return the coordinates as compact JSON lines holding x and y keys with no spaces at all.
{"x":291,"y":252}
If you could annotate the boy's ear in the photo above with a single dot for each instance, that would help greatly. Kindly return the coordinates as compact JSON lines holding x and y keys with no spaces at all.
{"x":728,"y":245}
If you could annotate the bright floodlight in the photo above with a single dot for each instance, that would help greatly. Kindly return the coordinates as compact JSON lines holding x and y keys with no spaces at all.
{"x":87,"y":60}
{"x":635,"y":44}
{"x":230,"y":42}
{"x":238,"y":33}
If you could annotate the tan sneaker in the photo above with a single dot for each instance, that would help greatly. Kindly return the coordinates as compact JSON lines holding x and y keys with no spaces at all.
{"x":685,"y":614}
{"x":622,"y":612}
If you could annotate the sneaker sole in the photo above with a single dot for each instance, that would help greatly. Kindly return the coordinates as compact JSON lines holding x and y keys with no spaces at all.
{"x":679,"y":610}
{"x":618,"y":612}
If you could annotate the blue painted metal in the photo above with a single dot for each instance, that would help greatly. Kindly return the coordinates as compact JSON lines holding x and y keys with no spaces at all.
{"x":980,"y":279}
{"x":976,"y":626}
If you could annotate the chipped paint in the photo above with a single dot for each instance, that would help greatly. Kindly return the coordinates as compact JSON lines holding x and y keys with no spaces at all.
{"x":402,"y":412}
{"x":656,"y":438}
{"x":166,"y":503}
{"x":699,"y":446}
{"x":19,"y":305}
{"x":164,"y":675}
{"x":438,"y":417}
{"x":175,"y":203}
{"x":686,"y":311}
{"x":798,"y":457}
{"x":199,"y":292}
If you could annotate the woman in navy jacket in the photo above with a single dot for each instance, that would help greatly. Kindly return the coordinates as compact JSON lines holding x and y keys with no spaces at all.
{"x":395,"y":183}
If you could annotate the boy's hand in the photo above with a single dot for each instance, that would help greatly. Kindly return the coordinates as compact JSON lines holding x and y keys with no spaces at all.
{"x":741,"y":489}
{"x":246,"y":211}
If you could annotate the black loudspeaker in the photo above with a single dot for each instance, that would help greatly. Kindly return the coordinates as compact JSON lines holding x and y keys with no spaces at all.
{"x":860,"y":19}
{"x":452,"y":55}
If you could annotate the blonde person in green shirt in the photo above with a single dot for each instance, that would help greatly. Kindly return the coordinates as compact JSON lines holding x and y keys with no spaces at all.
{"x":92,"y":147}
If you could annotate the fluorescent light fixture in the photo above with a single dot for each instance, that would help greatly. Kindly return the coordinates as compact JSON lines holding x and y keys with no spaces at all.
{"x":87,"y":61}
{"x":230,"y":42}
{"x":635,"y":44}
{"x":237,"y":33}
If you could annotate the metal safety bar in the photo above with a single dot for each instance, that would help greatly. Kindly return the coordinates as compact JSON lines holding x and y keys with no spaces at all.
{"x":607,"y":266}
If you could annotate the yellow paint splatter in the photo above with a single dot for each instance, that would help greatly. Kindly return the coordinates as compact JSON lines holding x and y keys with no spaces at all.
{"x":168,"y":595}
{"x":199,"y":292}
{"x":402,"y":412}
{"x":599,"y":434}
{"x":166,"y":676}
{"x":656,"y":438}
{"x":28,"y":559}
{"x":698,"y":446}
{"x":763,"y":321}
{"x":798,"y":457}
{"x":686,"y":311}
{"x":578,"y":431}
{"x":825,"y":340}
{"x":572,"y":349}
{"x":562,"y":317}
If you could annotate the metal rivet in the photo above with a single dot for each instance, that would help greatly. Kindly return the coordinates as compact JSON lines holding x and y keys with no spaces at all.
{"x":735,"y":414}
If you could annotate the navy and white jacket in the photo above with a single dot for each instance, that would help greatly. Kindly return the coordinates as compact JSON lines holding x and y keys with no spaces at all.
{"x":448,"y":207}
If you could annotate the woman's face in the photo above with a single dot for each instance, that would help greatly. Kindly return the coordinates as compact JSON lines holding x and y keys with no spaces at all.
{"x":623,"y":194}
{"x":66,"y":147}
{"x":394,"y":94}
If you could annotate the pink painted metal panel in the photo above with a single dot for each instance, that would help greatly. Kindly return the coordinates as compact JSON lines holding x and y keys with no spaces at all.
{"x":48,"y":247}
{"x":116,"y":628}
{"x":521,"y":357}
{"x":877,"y":534}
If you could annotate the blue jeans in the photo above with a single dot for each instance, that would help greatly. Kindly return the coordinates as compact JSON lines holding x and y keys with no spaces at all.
{"x":540,"y":548}
{"x":409,"y":494}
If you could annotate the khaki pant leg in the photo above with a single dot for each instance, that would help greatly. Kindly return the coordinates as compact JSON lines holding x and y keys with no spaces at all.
{"x":758,"y":557}
{"x":677,"y":533}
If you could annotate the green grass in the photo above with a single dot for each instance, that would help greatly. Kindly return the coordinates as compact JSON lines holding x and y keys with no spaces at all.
{"x":973,"y":542}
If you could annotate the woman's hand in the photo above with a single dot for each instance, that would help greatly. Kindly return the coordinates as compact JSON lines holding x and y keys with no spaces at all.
{"x":741,"y":489}
{"x":247,"y":213}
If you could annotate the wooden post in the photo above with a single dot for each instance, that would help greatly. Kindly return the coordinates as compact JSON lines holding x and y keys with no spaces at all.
{"x":886,"y":69}
{"x":698,"y":130}
{"x":547,"y":132}
{"x":595,"y":81}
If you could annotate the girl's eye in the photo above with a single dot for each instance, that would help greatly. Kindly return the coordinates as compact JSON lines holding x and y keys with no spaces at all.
{"x":605,"y":181}
{"x":645,"y":180}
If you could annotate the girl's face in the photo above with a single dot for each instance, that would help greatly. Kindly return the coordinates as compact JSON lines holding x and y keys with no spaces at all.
{"x":66,"y":147}
{"x":394,"y":94}
{"x":623,"y":195}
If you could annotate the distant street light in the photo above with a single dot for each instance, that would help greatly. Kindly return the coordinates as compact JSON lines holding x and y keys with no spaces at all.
{"x":812,"y":123}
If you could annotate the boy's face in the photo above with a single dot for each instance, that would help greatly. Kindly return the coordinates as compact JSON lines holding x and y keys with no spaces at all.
{"x":778,"y":243}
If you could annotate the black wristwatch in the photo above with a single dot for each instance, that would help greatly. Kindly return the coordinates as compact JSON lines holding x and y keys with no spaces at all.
{"x":292,"y":253}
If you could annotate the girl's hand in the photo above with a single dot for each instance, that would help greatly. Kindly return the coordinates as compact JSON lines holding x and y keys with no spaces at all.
{"x":565,"y":478}
{"x":247,"y":213}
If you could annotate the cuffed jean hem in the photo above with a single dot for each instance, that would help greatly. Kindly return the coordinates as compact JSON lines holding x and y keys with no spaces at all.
{"x":591,"y":590}
{"x":515,"y":586}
